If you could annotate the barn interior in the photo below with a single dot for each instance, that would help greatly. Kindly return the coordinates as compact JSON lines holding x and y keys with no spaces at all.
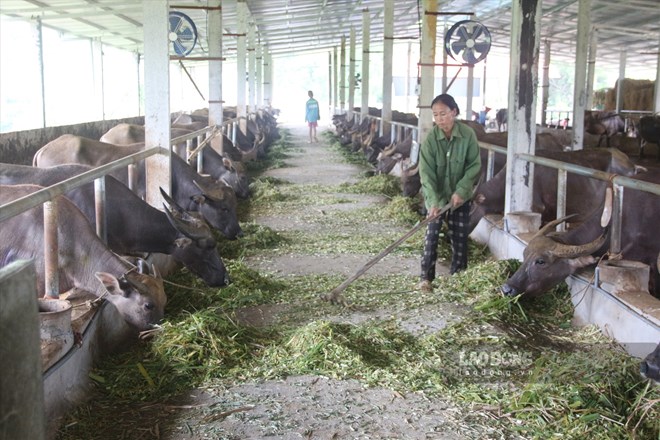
{"x":624,"y":37}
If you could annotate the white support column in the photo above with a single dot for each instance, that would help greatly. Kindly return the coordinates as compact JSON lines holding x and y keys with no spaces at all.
{"x":445,"y":60}
{"x":427,"y":68}
{"x":351,"y":74}
{"x":259,"y":58}
{"x":241,"y":51}
{"x":364,"y":87}
{"x":545,"y":88}
{"x":620,"y":81}
{"x":388,"y":54}
{"x":580,"y":92}
{"x":39,"y":37}
{"x":215,"y":70}
{"x":268,"y":78}
{"x":408,"y":77}
{"x":330,"y":102}
{"x":157,"y":99}
{"x":523,"y":80}
{"x":335,"y":75}
{"x":252,"y":66}
{"x":342,"y":76}
{"x":96,"y":52}
{"x":591,"y":68}
{"x":470,"y":92}
{"x":656,"y":99}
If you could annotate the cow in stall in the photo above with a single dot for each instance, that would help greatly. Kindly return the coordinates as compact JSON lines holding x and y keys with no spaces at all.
{"x":126,"y":134}
{"x":394,"y":154}
{"x":133,"y":226}
{"x":213,"y":163}
{"x":649,"y":368}
{"x":582,"y":192}
{"x":649,"y":132}
{"x":502,"y":117}
{"x":551,"y":256}
{"x":215,"y":201}
{"x":85,"y":262}
{"x":604,"y":124}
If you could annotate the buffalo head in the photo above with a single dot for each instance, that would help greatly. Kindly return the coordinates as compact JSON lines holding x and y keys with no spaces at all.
{"x":217,"y":204}
{"x":196,"y":247}
{"x":547,"y":262}
{"x":138,"y":296}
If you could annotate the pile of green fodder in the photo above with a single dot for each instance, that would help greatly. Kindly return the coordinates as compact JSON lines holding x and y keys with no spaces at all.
{"x":514,"y":364}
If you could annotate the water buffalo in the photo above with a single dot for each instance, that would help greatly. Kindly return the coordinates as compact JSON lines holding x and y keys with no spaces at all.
{"x":501,"y":116}
{"x":649,"y":132}
{"x":134,"y":226}
{"x":582,"y":195}
{"x":603,"y":124}
{"x":126,"y":134}
{"x":85,"y":262}
{"x":550,"y":258}
{"x":214,"y":200}
{"x":649,"y":368}
{"x":225,"y":170}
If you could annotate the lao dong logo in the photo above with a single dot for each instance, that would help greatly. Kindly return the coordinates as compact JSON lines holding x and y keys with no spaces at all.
{"x":501,"y":359}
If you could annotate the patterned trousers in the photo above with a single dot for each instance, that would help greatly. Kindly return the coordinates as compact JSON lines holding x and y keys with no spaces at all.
{"x":457,"y":222}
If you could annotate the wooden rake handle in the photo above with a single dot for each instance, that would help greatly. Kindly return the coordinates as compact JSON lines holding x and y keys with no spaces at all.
{"x":335,"y":296}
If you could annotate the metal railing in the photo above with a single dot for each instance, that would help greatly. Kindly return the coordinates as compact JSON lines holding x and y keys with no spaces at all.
{"x":46,"y":195}
{"x":563,"y":168}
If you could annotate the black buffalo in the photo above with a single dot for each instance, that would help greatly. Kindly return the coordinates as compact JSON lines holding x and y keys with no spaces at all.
{"x":649,"y":132}
{"x":132,"y":225}
{"x":604,"y":124}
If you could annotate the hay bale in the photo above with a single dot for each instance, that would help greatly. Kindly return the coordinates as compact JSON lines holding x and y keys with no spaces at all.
{"x":637,"y":95}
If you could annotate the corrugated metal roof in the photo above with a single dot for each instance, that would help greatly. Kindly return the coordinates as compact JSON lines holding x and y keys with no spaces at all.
{"x":294,"y":26}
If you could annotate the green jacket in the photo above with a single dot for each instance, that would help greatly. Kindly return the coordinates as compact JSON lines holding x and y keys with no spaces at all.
{"x":449,"y":166}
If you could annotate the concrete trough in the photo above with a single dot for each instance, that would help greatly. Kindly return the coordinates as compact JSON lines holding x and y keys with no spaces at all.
{"x":613,"y":296}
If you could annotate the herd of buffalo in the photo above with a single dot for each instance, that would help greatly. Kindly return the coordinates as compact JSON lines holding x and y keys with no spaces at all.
{"x":197,"y":205}
{"x":550,"y":256}
{"x":200,"y":203}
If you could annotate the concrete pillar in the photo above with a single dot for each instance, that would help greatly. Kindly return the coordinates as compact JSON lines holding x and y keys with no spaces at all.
{"x":259,"y":81}
{"x":620,"y":85}
{"x":215,"y":70}
{"x":96,"y":52}
{"x":545,"y":88}
{"x":388,"y":54}
{"x":470,"y":93}
{"x":656,"y":100}
{"x":525,"y":40}
{"x":157,"y":99}
{"x":252,"y":67}
{"x":580,"y":90}
{"x":342,"y":76}
{"x":427,"y":68}
{"x":22,"y":398}
{"x":591,"y":68}
{"x":364,"y":87}
{"x":241,"y":51}
{"x":351,"y":74}
{"x":335,"y":82}
{"x":268,"y":78}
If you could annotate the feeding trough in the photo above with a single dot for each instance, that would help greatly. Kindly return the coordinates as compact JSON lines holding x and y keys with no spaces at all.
{"x":55,"y":330}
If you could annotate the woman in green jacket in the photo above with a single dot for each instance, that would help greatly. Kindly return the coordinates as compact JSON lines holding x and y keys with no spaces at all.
{"x":449,"y":167}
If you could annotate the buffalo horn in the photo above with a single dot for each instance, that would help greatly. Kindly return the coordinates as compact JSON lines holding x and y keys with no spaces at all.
{"x":172,"y":204}
{"x":571,"y":251}
{"x":607,"y":209}
{"x":545,"y":230}
{"x":186,"y":224}
{"x":207,"y":192}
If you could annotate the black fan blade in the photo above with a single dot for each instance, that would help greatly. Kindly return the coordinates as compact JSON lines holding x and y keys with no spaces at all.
{"x":462,"y":33}
{"x":477,"y":31}
{"x":482,"y":46}
{"x":468,"y":56}
{"x":458,"y":46}
{"x":175,"y":24}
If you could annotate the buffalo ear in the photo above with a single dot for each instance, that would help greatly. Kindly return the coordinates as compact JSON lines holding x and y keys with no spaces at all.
{"x":182,"y":242}
{"x":155,"y":271}
{"x":110,"y":282}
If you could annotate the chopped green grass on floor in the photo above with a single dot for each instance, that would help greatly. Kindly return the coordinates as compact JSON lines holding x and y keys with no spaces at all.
{"x":514,"y":364}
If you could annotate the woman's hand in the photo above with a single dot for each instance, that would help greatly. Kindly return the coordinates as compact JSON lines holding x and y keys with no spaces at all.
{"x":456,"y":201}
